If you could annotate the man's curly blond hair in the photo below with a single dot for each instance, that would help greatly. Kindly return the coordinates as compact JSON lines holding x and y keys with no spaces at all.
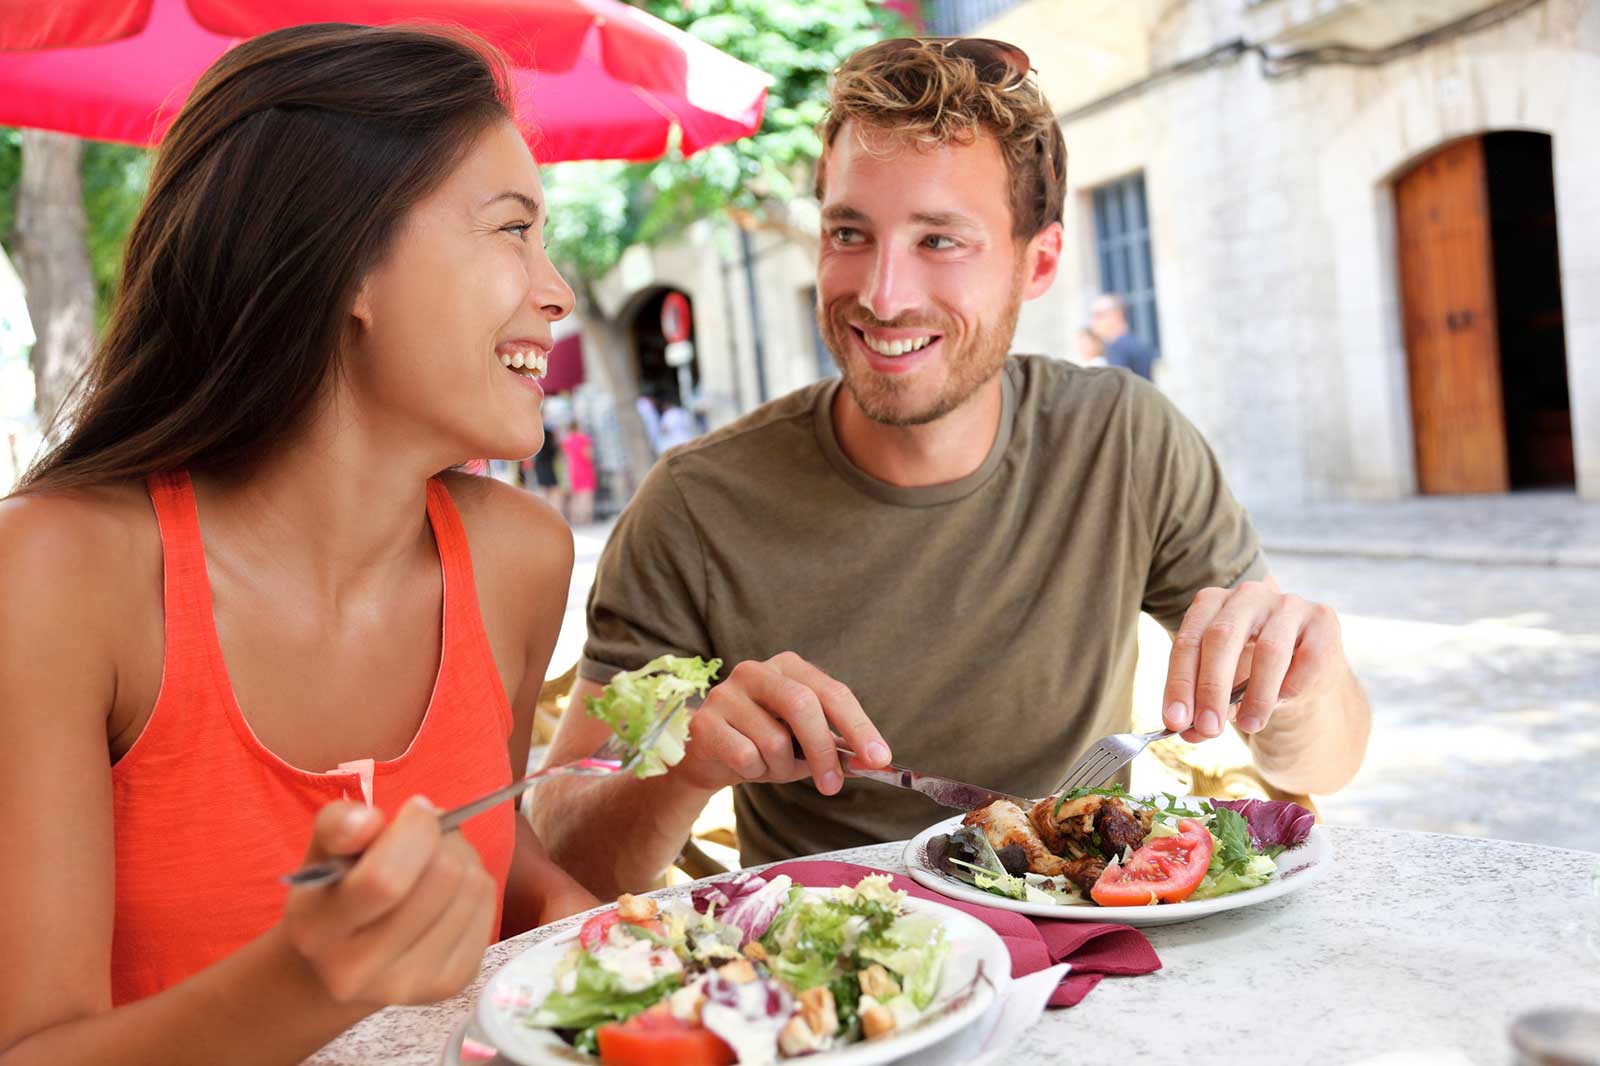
{"x":916,"y":89}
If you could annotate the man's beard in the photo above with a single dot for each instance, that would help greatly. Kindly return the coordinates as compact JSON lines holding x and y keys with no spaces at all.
{"x":884,"y":398}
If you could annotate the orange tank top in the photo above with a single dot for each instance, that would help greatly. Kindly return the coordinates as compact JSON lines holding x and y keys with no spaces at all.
{"x":207,"y":818}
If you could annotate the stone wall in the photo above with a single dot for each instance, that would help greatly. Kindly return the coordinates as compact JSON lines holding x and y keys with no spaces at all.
{"x":1272,"y":233}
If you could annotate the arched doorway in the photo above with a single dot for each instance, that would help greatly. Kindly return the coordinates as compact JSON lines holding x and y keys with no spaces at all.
{"x":662,"y":334}
{"x":1480,"y":287}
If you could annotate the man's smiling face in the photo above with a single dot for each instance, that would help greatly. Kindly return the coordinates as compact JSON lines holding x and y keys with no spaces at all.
{"x":919,"y":280}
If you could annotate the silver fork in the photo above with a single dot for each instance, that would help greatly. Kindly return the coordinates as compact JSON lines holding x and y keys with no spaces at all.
{"x":1112,"y":753}
{"x":614,"y":756}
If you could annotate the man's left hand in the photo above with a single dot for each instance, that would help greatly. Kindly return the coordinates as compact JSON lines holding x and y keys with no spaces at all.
{"x":1287,"y":646}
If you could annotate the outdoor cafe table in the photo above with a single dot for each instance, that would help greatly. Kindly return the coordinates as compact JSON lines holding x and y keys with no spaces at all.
{"x":1416,"y":948}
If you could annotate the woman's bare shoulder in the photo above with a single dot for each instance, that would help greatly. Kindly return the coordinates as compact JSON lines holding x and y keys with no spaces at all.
{"x":521,"y":547}
{"x":103,"y":538}
{"x":500,"y":517}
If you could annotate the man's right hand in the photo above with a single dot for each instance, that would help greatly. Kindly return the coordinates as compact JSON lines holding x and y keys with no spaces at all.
{"x":747,"y":728}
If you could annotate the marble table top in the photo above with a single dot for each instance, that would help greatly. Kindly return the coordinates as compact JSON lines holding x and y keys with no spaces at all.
{"x":1417,"y":948}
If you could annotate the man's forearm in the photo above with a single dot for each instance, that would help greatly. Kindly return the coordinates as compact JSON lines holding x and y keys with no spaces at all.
{"x":1315,"y":744}
{"x":618,"y":833}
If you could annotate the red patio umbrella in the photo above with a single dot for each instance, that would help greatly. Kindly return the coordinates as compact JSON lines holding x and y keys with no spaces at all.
{"x":599,"y":79}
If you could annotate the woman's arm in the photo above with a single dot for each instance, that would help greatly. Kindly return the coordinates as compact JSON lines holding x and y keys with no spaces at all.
{"x":538,"y":891}
{"x":408,"y":924}
{"x":523,"y":551}
{"x":57,"y":682}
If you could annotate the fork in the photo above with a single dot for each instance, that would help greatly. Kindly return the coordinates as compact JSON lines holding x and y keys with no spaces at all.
{"x":1112,"y":753}
{"x":614,"y":756}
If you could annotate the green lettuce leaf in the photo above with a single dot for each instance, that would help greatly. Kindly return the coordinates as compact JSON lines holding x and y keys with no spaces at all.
{"x":635,"y":700}
{"x":914,"y":948}
{"x":1223,"y":882}
{"x":598,"y":996}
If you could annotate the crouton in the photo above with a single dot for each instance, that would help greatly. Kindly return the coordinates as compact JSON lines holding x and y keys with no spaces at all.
{"x":877,"y":1021}
{"x":876,"y":982}
{"x":636,"y":908}
{"x":817,"y":1008}
{"x":739,"y":971}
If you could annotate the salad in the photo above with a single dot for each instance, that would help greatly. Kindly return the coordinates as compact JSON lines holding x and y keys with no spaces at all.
{"x":749,"y":971}
{"x":1102,"y":846}
{"x":634,"y":702}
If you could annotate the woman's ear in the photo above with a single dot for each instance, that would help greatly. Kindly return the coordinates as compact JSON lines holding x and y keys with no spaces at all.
{"x":361,"y":309}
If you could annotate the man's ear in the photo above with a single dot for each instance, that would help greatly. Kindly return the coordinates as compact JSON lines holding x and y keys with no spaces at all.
{"x":1043,"y":258}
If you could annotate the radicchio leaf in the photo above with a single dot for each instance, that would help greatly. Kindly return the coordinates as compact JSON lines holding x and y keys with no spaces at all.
{"x":1272,"y":822}
{"x":748,"y":902}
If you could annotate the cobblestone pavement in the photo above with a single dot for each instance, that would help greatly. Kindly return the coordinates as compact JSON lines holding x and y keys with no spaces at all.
{"x":1484,"y":676}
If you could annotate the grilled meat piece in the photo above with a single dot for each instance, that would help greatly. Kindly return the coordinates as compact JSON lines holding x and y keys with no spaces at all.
{"x":1084,"y":872}
{"x":1005,"y":825}
{"x":1119,"y":828}
{"x":1073,"y":831}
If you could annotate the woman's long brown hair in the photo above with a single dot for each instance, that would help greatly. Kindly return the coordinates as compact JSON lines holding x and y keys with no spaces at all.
{"x":278,"y":187}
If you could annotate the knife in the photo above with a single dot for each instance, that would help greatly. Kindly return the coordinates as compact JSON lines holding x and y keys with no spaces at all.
{"x":944,"y":791}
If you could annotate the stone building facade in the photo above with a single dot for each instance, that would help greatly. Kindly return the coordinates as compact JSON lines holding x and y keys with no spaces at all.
{"x":1267,"y":139}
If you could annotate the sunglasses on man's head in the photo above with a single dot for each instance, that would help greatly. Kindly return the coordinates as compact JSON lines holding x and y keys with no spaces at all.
{"x":998,"y":63}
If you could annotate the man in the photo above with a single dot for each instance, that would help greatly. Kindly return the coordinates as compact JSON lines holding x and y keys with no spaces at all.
{"x":947,"y":550}
{"x":1109,"y":318}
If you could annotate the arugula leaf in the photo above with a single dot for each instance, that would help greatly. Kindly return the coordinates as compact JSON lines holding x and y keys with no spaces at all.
{"x":1166,"y":811}
{"x":633,"y":702}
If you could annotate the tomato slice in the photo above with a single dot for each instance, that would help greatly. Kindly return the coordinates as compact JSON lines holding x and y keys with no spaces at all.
{"x":1165,"y":870}
{"x":593,"y":933}
{"x":656,"y":1038}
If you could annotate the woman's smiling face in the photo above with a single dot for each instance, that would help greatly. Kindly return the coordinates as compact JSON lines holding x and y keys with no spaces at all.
{"x":463,"y":296}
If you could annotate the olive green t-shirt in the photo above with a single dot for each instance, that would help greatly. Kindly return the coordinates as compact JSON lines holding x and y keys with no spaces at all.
{"x":988,"y":626}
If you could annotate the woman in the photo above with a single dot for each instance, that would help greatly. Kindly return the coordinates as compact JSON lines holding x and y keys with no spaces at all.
{"x":240,"y":606}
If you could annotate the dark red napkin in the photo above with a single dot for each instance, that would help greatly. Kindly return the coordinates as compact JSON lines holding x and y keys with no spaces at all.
{"x":1094,"y":949}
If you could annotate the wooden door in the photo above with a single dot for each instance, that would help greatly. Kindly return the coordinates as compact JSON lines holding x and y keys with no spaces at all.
{"x":1448,"y":303}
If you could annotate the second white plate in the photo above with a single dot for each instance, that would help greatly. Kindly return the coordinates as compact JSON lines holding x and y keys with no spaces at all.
{"x":1296,"y":869}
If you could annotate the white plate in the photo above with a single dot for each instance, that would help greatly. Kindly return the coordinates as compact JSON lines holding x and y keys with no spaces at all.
{"x":1296,"y":870}
{"x":528,"y":978}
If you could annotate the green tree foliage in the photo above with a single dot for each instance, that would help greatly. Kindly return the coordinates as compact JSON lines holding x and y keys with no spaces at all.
{"x":597,"y":210}
{"x":114,"y":179}
{"x":10,"y":177}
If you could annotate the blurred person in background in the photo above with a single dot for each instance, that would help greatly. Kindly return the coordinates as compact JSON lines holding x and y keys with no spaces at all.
{"x":1108,"y":318}
{"x":241,"y":626}
{"x":678,"y":426}
{"x":1087,"y":348}
{"x":577,"y":448}
{"x":651,"y":417}
{"x":946,"y":550}
{"x":546,"y":480}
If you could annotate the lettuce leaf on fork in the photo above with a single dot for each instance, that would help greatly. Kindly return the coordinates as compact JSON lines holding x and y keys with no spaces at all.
{"x":634,"y":701}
